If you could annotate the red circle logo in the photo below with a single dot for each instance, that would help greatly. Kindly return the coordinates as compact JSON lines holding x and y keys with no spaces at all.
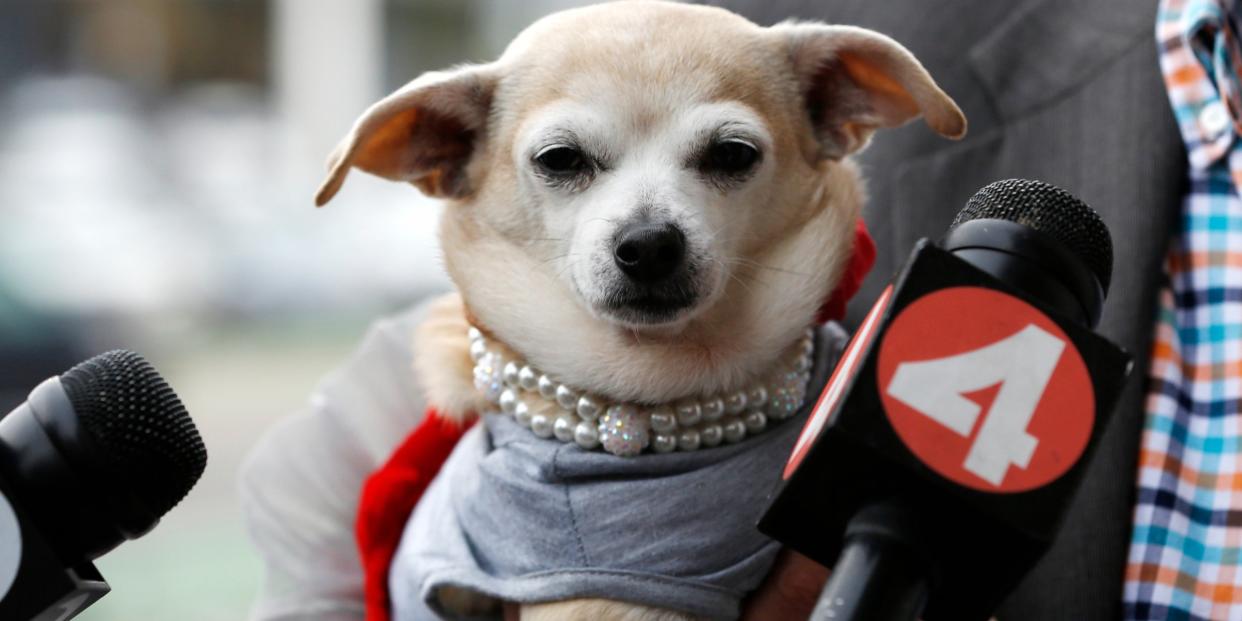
{"x":985,"y":389}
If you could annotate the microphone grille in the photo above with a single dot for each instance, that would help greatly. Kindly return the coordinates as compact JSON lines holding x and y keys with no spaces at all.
{"x":1051,"y":211}
{"x":143,"y":431}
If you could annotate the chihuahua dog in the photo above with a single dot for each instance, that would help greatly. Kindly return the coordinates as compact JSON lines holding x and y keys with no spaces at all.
{"x":647,"y":202}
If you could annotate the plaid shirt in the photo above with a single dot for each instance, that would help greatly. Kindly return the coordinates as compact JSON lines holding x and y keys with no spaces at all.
{"x":1185,"y":557}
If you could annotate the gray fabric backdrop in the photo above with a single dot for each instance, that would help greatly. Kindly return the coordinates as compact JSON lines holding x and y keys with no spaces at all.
{"x":1068,"y":92}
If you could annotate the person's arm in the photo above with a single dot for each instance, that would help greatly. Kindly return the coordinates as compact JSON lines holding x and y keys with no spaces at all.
{"x":300,"y":485}
{"x":790,"y":591}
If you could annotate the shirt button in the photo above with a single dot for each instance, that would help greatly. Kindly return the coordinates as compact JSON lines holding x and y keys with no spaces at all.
{"x":1214,"y":119}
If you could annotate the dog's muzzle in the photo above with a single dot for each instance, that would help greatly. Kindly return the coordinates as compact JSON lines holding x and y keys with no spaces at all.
{"x":657,"y":277}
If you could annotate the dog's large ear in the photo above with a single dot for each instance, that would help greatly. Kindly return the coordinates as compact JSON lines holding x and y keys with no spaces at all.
{"x":856,"y":81}
{"x":424,"y":133}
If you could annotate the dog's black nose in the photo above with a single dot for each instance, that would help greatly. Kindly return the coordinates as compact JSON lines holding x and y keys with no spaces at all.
{"x":648,"y":252}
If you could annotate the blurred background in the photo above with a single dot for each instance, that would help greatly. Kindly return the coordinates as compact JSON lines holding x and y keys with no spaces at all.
{"x":157,"y":162}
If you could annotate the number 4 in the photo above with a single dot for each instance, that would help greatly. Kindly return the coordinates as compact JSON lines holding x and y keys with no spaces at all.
{"x":1022,"y":363}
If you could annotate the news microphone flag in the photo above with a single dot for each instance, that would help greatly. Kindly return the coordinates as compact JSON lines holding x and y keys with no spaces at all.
{"x":952,"y":435}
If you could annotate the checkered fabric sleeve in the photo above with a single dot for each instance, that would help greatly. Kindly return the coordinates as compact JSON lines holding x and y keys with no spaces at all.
{"x":1185,"y":559}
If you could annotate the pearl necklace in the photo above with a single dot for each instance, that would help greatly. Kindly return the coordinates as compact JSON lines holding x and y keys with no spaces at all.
{"x":551,"y":409}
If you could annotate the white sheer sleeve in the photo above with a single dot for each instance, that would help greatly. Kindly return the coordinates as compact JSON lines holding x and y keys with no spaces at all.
{"x":300,"y":485}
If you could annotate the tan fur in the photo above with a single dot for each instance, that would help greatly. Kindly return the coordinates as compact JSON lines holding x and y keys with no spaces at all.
{"x":634,"y":70}
{"x":442,"y":360}
{"x":598,"y":610}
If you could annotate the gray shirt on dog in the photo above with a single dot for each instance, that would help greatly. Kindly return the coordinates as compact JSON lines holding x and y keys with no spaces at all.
{"x":527,"y":519}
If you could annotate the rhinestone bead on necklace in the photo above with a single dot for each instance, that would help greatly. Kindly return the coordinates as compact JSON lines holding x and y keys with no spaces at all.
{"x":554,"y":410}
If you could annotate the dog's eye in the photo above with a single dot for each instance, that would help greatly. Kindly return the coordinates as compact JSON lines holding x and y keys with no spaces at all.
{"x":561,"y":160}
{"x":730,"y":157}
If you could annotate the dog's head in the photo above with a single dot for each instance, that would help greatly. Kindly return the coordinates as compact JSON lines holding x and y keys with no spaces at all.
{"x":649,"y":200}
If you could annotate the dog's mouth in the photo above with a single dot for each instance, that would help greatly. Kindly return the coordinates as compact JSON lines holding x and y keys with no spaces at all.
{"x":649,"y":308}
{"x":634,"y":299}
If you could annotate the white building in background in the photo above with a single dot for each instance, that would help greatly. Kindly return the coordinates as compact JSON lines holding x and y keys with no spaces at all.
{"x":327,"y":65}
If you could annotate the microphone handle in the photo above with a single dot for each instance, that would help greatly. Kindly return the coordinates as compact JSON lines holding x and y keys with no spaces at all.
{"x":44,"y":587}
{"x":880,"y":574}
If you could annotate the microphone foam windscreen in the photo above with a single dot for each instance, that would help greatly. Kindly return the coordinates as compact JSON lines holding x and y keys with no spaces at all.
{"x":144,"y":434}
{"x":1051,"y":211}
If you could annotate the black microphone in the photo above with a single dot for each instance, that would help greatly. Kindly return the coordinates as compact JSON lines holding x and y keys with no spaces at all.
{"x":92,"y":458}
{"x":944,"y":451}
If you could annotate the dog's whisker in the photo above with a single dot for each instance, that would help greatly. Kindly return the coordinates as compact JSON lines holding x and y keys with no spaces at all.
{"x":602,"y":219}
{"x":741,"y":281}
{"x":638,"y":339}
{"x":568,"y":264}
{"x":756,"y":264}
{"x":715,"y":233}
{"x":745,"y":284}
{"x":559,"y":257}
